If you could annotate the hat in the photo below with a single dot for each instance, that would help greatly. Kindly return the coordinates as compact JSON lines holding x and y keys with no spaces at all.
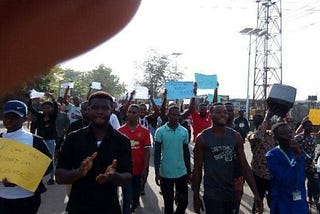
{"x":15,"y":106}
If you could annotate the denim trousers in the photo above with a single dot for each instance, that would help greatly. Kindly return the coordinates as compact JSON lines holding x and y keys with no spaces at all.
{"x":131,"y":195}
{"x":51,"y":144}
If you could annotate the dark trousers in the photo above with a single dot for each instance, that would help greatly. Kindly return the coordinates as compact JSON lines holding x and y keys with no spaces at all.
{"x":263,"y":186}
{"x":29,"y":205}
{"x":313,"y":185}
{"x":131,"y":194}
{"x":167,"y":189}
{"x":218,"y":207}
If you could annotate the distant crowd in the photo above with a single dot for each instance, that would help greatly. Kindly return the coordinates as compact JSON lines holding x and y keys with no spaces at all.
{"x":99,"y":144}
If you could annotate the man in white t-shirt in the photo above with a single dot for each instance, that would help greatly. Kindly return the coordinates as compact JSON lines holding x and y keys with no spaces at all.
{"x":13,"y":198}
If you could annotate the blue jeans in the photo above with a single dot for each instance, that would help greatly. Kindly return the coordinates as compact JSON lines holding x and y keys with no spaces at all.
{"x":51,"y":144}
{"x":131,"y":195}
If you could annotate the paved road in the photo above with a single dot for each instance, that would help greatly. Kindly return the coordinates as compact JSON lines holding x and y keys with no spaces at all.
{"x":54,"y":200}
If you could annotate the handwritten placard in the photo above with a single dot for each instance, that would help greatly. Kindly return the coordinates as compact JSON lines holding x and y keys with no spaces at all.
{"x":314,"y":116}
{"x":206,"y":81}
{"x":179,"y":90}
{"x":22,"y":164}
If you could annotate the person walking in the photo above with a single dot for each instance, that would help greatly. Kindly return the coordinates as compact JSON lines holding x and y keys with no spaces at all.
{"x":261,"y":141}
{"x":215,"y":151}
{"x":47,"y":125}
{"x":286,"y":164}
{"x":172,"y":162}
{"x":13,"y":198}
{"x":140,"y":146}
{"x":95,"y":160}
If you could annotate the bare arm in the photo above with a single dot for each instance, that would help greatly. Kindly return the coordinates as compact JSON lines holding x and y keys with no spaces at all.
{"x":247,"y":173}
{"x":89,"y":92}
{"x":65,"y":96}
{"x":155,"y":109}
{"x":192,"y":105}
{"x":163,"y":105}
{"x":126,"y":106}
{"x":197,"y":173}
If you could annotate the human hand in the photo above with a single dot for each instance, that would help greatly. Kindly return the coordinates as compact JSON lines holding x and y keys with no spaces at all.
{"x":164,"y":94}
{"x":7,"y":183}
{"x":109,"y":174}
{"x":86,"y":164}
{"x":189,"y":178}
{"x":158,"y":179}
{"x":195,"y":88}
{"x":259,"y":205}
{"x":48,"y":94}
{"x":197,"y":204}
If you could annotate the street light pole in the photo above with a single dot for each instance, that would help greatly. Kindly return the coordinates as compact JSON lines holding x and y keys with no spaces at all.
{"x":250,"y":32}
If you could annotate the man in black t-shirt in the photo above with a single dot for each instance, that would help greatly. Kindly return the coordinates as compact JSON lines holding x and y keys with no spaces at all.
{"x":95,"y":160}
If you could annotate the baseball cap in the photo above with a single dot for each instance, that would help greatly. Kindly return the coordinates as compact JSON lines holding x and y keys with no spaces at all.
{"x":15,"y":106}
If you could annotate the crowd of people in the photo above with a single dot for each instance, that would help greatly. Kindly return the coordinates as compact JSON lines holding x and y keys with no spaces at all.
{"x":98,"y":145}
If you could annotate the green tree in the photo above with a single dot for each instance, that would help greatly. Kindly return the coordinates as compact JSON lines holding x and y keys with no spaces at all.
{"x":110,"y":82}
{"x":158,"y":69}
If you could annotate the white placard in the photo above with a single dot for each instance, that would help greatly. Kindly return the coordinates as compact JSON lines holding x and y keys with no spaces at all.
{"x":66,"y":84}
{"x":141,"y":92}
{"x":96,"y":85}
{"x":36,"y":94}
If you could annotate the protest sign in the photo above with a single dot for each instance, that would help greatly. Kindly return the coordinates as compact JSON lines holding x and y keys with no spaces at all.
{"x":96,"y":85}
{"x":158,"y":101}
{"x":66,"y":84}
{"x":21,"y":164}
{"x":205,"y":81}
{"x":179,"y":90}
{"x":314,"y":116}
{"x":141,"y":92}
{"x":36,"y":94}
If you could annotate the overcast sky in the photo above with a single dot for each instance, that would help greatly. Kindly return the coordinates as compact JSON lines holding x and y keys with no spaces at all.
{"x":206,"y":32}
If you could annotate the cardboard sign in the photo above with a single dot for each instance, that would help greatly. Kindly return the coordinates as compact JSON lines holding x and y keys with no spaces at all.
{"x":179,"y":90}
{"x":22,"y":164}
{"x":314,"y":116}
{"x":205,"y":81}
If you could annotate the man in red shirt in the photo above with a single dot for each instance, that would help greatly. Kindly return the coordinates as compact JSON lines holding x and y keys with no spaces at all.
{"x":140,"y":148}
{"x":201,"y":118}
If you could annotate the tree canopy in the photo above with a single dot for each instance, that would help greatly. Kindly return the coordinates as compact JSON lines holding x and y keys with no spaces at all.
{"x":158,"y":69}
{"x":82,"y":80}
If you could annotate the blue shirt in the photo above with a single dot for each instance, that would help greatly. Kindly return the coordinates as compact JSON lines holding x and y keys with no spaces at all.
{"x":172,"y":163}
{"x":287,"y":176}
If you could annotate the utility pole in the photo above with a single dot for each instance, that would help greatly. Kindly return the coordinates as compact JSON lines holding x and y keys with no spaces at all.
{"x":268,"y":50}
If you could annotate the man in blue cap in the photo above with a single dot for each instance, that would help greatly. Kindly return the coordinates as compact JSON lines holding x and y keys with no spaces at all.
{"x":13,"y":198}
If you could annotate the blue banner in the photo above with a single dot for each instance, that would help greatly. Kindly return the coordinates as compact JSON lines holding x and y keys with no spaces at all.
{"x":158,"y":101}
{"x":179,"y":90}
{"x":205,"y":81}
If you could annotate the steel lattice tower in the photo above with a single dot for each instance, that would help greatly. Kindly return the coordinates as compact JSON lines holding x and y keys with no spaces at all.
{"x":268,"y":50}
